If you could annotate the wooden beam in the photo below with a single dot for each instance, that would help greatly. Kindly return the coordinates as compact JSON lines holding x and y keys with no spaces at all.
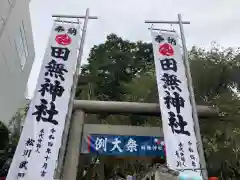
{"x":148,"y":109}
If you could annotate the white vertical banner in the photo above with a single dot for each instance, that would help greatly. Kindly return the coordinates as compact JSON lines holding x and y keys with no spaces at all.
{"x":37,"y":151}
{"x":176,"y":109}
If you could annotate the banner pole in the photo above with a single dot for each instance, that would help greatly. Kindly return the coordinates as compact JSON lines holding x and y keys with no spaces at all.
{"x":62,"y":150}
{"x":192,"y":99}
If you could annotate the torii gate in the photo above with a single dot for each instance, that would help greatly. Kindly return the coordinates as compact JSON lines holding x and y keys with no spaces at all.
{"x":81,"y":107}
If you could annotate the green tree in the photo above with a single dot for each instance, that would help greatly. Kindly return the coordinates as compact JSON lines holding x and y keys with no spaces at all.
{"x":115,"y":62}
{"x":3,"y":136}
{"x":9,"y":137}
{"x":215,"y":75}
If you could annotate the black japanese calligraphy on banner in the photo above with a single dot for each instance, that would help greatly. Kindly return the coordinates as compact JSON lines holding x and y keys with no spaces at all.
{"x":44,"y":124}
{"x":62,"y":53}
{"x":26,"y":154}
{"x":30,"y":142}
{"x":21,"y":175}
{"x":55,"y":70}
{"x":55,"y":89}
{"x":174,"y":101}
{"x":59,"y":29}
{"x":170,"y":40}
{"x":177,"y":124}
{"x":48,"y":152}
{"x":72,"y":31}
{"x":180,"y":155}
{"x":171,"y":82}
{"x":39,"y":141}
{"x":192,"y":155}
{"x":23,"y":165}
{"x":159,"y":38}
{"x":44,"y":113}
{"x":169,"y":64}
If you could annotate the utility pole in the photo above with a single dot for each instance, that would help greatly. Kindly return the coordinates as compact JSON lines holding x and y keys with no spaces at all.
{"x":62,"y":150}
{"x":190,"y":87}
{"x":192,"y":100}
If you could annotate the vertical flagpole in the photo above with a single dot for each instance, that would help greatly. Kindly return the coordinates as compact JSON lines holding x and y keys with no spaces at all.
{"x":192,"y":99}
{"x":70,"y":107}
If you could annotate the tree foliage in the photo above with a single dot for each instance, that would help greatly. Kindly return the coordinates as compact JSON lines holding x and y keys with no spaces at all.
{"x":9,"y":137}
{"x":120,"y":70}
{"x":3,"y":136}
{"x":115,"y":62}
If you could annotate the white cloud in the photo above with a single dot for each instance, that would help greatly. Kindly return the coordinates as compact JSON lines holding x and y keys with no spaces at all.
{"x":217,"y":20}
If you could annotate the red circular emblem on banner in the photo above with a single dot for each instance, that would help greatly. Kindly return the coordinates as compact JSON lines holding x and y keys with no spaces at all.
{"x":166,"y":50}
{"x":63,"y":39}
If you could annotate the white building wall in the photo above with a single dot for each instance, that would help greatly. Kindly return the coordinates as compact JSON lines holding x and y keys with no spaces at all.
{"x":14,"y":14}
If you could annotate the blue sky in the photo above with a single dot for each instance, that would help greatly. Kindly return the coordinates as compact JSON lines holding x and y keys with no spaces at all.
{"x":211,"y":20}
